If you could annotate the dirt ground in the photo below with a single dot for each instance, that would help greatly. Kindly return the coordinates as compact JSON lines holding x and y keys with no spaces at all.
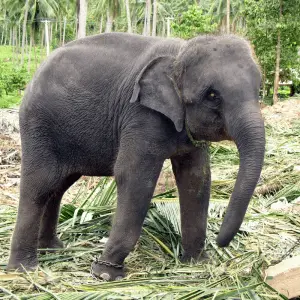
{"x":10,"y":151}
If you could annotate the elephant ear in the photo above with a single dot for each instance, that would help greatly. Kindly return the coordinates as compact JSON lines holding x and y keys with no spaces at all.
{"x":156,"y":89}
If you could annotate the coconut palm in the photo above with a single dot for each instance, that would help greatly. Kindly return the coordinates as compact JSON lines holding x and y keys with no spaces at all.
{"x":127,"y":6}
{"x":82,"y":14}
{"x":112,"y":8}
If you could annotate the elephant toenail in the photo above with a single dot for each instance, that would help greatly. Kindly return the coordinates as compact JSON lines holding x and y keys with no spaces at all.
{"x":119,"y":278}
{"x":105,"y":276}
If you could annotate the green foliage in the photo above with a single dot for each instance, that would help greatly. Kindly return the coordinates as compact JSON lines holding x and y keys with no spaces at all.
{"x":264,"y":24}
{"x":192,"y":23}
{"x":12,"y":79}
{"x":11,"y":100}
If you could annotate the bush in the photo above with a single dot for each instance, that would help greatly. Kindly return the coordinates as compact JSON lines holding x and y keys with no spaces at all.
{"x":12,"y":79}
{"x":192,"y":23}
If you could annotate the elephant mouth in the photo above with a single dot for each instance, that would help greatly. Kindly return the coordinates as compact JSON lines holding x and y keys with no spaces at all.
{"x":213,"y":134}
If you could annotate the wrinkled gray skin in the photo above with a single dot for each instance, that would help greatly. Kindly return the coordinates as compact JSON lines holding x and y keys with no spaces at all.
{"x":116,"y":104}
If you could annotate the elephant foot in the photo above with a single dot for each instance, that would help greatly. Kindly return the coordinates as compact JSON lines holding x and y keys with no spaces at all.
{"x":188,"y":257}
{"x":107,"y":271}
{"x":51,"y":244}
{"x":26,"y":264}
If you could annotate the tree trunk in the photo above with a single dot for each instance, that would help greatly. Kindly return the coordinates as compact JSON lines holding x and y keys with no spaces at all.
{"x":129,"y":28}
{"x":29,"y":54}
{"x":26,"y":43}
{"x":14,"y":44}
{"x":64,"y":31}
{"x":19,"y":38}
{"x":18,"y":42}
{"x":34,"y":48}
{"x":76,"y":27}
{"x":277,"y":67}
{"x":82,"y":19}
{"x":10,"y":36}
{"x":42,"y":45}
{"x":168,"y":27}
{"x":56,"y":28}
{"x":50,"y":33}
{"x":148,"y":26}
{"x":145,"y":21}
{"x":109,"y":21}
{"x":154,"y":17}
{"x":101,"y":24}
{"x":228,"y":17}
{"x":5,"y":35}
{"x":163,"y":30}
{"x":47,"y":38}
{"x":60,"y":31}
{"x":2,"y":34}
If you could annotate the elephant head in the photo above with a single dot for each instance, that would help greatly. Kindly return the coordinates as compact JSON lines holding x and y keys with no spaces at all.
{"x":211,"y":89}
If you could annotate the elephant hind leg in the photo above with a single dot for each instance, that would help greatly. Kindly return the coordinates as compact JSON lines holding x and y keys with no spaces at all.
{"x":40,"y":183}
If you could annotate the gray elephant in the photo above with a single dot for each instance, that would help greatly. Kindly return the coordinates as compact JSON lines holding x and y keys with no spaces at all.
{"x":121,"y":104}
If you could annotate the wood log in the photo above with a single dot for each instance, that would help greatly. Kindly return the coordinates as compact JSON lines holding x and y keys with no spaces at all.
{"x":285,"y":277}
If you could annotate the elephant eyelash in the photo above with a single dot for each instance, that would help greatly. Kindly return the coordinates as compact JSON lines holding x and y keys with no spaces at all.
{"x":203,"y":93}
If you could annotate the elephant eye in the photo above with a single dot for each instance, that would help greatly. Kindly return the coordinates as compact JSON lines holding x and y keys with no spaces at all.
{"x":213,"y":98}
{"x":212,"y":95}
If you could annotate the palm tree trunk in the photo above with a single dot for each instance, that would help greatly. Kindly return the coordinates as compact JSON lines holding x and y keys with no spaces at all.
{"x":109,"y":21}
{"x":168,"y":27}
{"x":60,"y":31}
{"x":148,"y":26}
{"x":18,"y":41}
{"x":129,"y":28}
{"x":34,"y":48}
{"x":154,"y":17}
{"x":277,"y":67}
{"x":145,"y":21}
{"x":29,"y":53}
{"x":10,"y":36}
{"x":5,"y":35}
{"x":50,"y":33}
{"x":64,"y":31}
{"x":2,"y":34}
{"x":101,"y":24}
{"x":82,"y":19}
{"x":47,"y":38}
{"x":14,"y":43}
{"x":163,"y":30}
{"x":56,"y":26}
{"x":228,"y":17}
{"x":42,"y":45}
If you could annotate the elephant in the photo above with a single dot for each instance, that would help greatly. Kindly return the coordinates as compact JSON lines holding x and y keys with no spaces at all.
{"x":119,"y":104}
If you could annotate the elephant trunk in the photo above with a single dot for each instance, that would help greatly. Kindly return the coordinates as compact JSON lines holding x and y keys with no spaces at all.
{"x":245,"y":126}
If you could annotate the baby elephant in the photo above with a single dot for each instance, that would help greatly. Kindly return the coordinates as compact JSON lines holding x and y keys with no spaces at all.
{"x":119,"y":105}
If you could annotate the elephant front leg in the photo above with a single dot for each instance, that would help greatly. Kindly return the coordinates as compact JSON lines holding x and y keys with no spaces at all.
{"x":192,"y":173}
{"x":136,"y":177}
